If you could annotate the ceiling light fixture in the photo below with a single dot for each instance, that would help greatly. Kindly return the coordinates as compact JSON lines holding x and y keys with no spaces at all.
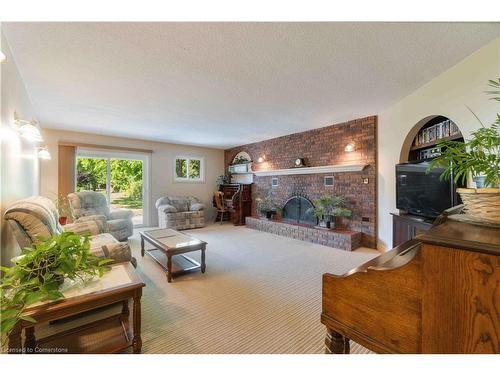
{"x":43,"y":153}
{"x":349,"y":147}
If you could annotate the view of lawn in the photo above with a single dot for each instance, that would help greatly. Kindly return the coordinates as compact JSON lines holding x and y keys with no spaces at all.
{"x":125,"y":180}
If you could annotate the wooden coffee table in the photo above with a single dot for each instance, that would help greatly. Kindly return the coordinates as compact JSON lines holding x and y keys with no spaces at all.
{"x":108,"y":335}
{"x":169,"y":243}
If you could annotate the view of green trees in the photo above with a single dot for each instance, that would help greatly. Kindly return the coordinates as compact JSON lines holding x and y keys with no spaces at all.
{"x":187,"y":168}
{"x":126,"y":177}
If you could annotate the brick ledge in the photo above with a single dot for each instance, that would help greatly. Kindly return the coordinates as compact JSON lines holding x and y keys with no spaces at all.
{"x":342,"y":239}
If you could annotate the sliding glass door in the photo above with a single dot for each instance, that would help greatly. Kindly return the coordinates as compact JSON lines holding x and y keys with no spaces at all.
{"x":121,"y":177}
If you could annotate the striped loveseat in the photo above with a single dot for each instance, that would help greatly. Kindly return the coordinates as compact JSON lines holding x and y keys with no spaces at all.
{"x":37,"y":216}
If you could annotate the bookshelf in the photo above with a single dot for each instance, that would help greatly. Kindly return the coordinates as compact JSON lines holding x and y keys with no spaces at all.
{"x":437,"y":129}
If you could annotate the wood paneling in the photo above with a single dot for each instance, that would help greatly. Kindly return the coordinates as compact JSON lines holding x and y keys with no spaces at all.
{"x":66,"y":169}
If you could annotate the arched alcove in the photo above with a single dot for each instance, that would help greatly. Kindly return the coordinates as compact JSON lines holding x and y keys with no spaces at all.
{"x":411,"y":148}
{"x":242,"y":154}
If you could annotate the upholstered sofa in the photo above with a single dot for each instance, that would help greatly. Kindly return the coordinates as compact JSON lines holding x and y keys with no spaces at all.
{"x":91,"y":205}
{"x":180,"y":212}
{"x":37,"y":216}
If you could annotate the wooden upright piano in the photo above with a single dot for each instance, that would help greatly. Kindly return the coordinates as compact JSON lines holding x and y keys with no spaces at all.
{"x":438,"y":293}
{"x":238,"y":199}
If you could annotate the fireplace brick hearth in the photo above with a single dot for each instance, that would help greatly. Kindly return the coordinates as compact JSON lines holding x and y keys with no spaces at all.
{"x":321,"y":147}
{"x":339,"y":239}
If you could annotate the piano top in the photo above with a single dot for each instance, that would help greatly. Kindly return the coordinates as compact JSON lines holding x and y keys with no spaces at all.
{"x":461,"y":235}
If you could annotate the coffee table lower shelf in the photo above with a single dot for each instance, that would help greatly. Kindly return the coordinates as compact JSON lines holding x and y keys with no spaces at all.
{"x":181,"y":263}
{"x":109,"y":335}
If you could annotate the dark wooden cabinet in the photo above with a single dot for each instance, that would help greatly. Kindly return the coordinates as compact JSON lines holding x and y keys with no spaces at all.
{"x":406,"y":227}
{"x":238,"y":199}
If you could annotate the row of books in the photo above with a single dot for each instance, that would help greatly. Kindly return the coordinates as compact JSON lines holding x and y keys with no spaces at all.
{"x":444,"y":129}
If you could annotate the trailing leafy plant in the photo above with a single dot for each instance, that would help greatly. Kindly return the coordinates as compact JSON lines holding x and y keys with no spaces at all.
{"x":240,"y":160}
{"x":39,"y":271}
{"x":328,"y":205}
{"x":479,"y":155}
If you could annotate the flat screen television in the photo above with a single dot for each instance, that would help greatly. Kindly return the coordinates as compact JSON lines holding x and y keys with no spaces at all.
{"x":423,"y":193}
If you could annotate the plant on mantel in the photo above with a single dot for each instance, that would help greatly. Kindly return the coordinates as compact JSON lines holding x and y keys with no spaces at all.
{"x":40,"y":270}
{"x":240,"y":160}
{"x":328,"y":207}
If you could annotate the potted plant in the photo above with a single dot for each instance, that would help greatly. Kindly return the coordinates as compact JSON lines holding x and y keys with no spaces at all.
{"x":38,"y":273}
{"x":479,"y":157}
{"x":63,"y":209}
{"x":264,"y":204}
{"x":224,"y":179}
{"x":327,"y":208}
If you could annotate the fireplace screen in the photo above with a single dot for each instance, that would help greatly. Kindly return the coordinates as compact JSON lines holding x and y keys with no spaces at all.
{"x":296,"y":210}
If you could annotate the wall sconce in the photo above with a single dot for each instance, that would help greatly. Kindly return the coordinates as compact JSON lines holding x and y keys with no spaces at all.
{"x":43,"y":153}
{"x":28,"y":129}
{"x":3,"y":58}
{"x":261,"y":159}
{"x":349,"y":147}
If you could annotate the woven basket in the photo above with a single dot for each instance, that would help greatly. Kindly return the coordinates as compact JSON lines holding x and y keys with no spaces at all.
{"x":482,"y":204}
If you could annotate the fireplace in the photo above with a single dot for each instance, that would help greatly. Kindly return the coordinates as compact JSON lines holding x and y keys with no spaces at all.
{"x":297,"y":210}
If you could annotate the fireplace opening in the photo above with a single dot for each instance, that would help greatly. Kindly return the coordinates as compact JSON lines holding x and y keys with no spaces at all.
{"x":296,"y":210}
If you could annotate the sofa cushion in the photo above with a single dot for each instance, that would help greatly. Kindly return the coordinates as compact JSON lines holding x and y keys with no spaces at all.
{"x":181,"y":204}
{"x":197,"y":207}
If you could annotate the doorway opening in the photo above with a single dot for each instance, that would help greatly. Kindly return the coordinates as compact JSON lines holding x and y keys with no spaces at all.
{"x":121,"y":177}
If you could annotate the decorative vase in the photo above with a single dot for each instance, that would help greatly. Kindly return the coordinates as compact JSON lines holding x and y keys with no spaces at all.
{"x":63,"y":220}
{"x":480,"y":181}
{"x":481,"y":205}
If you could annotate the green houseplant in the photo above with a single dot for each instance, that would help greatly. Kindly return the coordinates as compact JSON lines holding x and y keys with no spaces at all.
{"x":329,"y":207}
{"x":38,"y":273}
{"x":478,"y":156}
{"x":264,"y":203}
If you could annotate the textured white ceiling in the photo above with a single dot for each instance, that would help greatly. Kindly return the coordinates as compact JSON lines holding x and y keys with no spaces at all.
{"x":225,"y":84}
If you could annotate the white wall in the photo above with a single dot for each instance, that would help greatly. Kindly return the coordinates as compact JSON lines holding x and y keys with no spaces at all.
{"x":449,"y":94}
{"x":19,"y":177}
{"x":162,"y":160}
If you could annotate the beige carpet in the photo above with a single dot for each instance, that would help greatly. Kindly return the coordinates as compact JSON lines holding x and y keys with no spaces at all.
{"x":261,"y":293}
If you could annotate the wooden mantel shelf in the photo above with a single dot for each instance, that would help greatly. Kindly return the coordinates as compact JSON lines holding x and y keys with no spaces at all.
{"x":312,"y":170}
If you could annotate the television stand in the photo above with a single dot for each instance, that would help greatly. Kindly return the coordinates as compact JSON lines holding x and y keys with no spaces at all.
{"x":407,"y":226}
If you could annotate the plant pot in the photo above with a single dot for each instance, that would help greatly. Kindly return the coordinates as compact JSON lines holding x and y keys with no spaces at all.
{"x":480,"y":181}
{"x":63,"y":220}
{"x":481,"y":205}
{"x":270,"y":213}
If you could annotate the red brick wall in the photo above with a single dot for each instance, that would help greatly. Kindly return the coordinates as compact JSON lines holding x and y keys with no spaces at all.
{"x":324,"y":146}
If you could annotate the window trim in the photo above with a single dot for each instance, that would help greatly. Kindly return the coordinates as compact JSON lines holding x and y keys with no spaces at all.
{"x":201,"y":179}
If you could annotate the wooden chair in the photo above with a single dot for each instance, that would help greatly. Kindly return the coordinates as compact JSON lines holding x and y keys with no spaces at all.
{"x":222,"y":210}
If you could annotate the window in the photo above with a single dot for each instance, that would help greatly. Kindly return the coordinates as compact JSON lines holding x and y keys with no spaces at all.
{"x":274,"y":181}
{"x":328,"y":180}
{"x":189,"y":169}
{"x":122,"y":177}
